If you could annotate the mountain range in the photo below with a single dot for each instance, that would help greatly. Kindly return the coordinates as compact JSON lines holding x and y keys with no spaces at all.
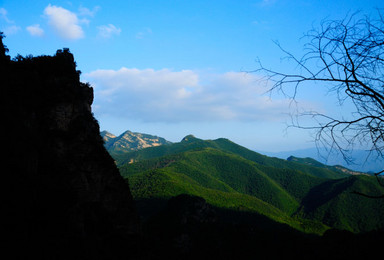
{"x":301,"y":193}
{"x":360,"y":160}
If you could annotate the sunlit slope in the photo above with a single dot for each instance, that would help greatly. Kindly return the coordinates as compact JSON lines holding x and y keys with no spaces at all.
{"x":214,"y":169}
{"x":191,"y":143}
{"x":223,"y":180}
{"x":230,"y":176}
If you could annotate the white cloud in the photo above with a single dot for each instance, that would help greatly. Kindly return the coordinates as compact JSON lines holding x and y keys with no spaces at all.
{"x":64,"y":22}
{"x":182,"y":96}
{"x":4,"y":15}
{"x":35,"y":30}
{"x":83,"y":11}
{"x":12,"y":29}
{"x":107,"y":31}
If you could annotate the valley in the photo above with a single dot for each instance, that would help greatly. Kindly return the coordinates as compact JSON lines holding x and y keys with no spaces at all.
{"x":303,"y":194}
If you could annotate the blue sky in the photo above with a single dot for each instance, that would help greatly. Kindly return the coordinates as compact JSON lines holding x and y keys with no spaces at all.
{"x":173,"y":68}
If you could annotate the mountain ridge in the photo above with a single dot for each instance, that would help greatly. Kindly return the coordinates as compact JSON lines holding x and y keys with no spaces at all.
{"x":208,"y":168}
{"x":130,"y":141}
{"x":362,"y":160}
{"x":313,"y":162}
{"x":113,"y":145}
{"x":191,"y":142}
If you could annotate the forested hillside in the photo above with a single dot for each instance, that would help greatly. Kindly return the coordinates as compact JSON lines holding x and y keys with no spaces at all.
{"x":303,"y":193}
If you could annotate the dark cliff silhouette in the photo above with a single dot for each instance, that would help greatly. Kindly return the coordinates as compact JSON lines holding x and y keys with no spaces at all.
{"x":64,"y":196}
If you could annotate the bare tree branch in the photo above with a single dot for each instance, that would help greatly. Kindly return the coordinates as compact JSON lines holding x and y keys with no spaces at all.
{"x":348,"y":56}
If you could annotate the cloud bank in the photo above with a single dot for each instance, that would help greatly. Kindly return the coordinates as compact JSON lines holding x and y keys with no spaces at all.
{"x":182,"y":96}
{"x":68,"y":25}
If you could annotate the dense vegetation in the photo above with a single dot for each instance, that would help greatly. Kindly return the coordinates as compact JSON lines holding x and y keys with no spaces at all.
{"x":303,"y":194}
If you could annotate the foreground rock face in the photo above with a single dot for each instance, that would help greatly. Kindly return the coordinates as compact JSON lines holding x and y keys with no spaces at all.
{"x":65,"y":198}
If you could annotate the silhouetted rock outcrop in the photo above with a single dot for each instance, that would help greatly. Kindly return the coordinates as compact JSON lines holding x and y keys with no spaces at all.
{"x":64,"y":196}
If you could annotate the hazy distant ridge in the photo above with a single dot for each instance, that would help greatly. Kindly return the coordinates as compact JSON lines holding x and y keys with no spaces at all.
{"x":361,"y":163}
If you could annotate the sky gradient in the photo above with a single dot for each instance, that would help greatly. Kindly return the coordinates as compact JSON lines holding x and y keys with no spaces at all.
{"x":173,"y":68}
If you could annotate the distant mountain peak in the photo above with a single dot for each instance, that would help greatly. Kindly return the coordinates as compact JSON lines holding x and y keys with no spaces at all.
{"x":107,"y":134}
{"x":107,"y":137}
{"x":189,"y":138}
{"x":131,"y":141}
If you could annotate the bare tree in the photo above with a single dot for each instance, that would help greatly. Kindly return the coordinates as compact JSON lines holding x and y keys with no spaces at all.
{"x":347,"y":56}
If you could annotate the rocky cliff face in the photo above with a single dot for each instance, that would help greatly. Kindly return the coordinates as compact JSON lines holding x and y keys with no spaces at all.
{"x":65,"y":198}
{"x":130,"y":141}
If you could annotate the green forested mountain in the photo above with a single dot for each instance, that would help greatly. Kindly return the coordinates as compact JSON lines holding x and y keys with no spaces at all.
{"x":313,"y":162}
{"x":190,"y":143}
{"x":334,"y":203}
{"x":310,"y":197}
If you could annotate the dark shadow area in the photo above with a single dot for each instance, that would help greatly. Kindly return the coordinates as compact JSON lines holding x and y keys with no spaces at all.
{"x":189,"y":228}
{"x":64,"y":196}
{"x":326,"y":191}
